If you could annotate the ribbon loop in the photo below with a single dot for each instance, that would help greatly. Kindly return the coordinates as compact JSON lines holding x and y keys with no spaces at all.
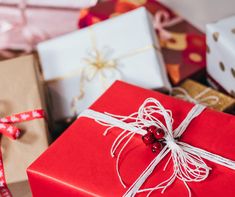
{"x":8,"y":129}
{"x":161,"y":21}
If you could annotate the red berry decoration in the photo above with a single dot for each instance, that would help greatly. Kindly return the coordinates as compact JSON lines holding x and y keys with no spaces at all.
{"x":152,"y":129}
{"x":159,"y":134}
{"x":156,"y":147}
{"x":148,"y":138}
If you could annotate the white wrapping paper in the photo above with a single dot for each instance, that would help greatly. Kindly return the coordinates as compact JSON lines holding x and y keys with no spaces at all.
{"x":221,"y":53}
{"x":202,"y":12}
{"x":120,"y":36}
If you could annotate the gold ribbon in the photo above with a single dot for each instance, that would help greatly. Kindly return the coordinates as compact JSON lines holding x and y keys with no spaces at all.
{"x":97,"y":63}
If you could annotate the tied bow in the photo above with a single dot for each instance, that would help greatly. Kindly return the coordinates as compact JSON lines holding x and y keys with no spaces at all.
{"x":188,"y":164}
{"x":8,"y":129}
{"x":97,"y":64}
{"x":199,"y":98}
{"x":162,"y":20}
{"x":31,"y":35}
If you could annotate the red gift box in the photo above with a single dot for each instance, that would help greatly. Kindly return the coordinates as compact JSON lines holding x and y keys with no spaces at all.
{"x":79,"y":162}
{"x":184,"y":53}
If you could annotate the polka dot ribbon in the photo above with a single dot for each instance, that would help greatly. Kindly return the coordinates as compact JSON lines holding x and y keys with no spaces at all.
{"x":8,"y":129}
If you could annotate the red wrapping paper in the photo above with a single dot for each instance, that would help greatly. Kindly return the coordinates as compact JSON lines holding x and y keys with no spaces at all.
{"x":184,"y":53}
{"x":79,"y":162}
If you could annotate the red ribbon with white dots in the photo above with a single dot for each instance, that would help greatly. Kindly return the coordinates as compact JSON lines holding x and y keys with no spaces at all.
{"x":8,"y":129}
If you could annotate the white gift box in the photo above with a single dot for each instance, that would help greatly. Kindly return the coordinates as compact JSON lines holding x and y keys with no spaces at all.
{"x":202,"y":12}
{"x":54,"y":3}
{"x":221,"y":56}
{"x":127,"y":43}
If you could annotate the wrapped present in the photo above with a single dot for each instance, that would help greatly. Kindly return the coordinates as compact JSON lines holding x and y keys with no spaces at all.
{"x":78,"y":67}
{"x":21,"y":104}
{"x":220,"y":57}
{"x":23,"y":27}
{"x":183,"y":46}
{"x":187,"y":150}
{"x":201,"y":12}
{"x":52,"y":3}
{"x":197,"y":93}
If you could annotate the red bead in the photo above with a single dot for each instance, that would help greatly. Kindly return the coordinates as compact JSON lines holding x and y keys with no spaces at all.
{"x":148,"y":138}
{"x":152,"y":129}
{"x":159,"y":134}
{"x":156,"y":147}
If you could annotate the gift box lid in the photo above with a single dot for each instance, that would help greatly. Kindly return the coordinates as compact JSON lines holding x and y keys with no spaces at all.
{"x":79,"y":162}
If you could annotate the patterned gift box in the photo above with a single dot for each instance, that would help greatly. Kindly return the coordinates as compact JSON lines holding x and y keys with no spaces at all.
{"x":220,"y":54}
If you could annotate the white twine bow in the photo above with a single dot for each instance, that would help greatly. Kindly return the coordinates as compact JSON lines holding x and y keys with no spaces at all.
{"x":199,"y":98}
{"x":98,"y":63}
{"x":188,"y":164}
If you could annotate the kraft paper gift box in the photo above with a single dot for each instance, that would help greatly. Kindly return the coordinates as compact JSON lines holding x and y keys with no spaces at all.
{"x":38,"y":24}
{"x":220,"y":54}
{"x":21,"y":91}
{"x":79,"y":162}
{"x":84,"y":63}
{"x":202,"y":12}
{"x":184,"y":52}
{"x":195,"y":92}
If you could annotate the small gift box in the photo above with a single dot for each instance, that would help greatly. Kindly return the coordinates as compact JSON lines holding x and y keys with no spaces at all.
{"x":202,"y":12}
{"x":23,"y":27}
{"x":191,"y":143}
{"x":78,"y":67}
{"x":21,"y":102}
{"x":195,"y":92}
{"x":183,"y":46}
{"x":220,"y":56}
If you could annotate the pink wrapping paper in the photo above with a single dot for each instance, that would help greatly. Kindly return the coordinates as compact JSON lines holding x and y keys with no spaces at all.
{"x":43,"y":23}
{"x":55,"y":3}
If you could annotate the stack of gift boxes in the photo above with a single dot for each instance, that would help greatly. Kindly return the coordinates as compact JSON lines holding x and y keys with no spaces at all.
{"x":142,"y":98}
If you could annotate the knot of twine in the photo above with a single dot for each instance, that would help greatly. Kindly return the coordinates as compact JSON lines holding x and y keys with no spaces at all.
{"x":98,"y":63}
{"x":188,"y":164}
{"x":200,"y":98}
